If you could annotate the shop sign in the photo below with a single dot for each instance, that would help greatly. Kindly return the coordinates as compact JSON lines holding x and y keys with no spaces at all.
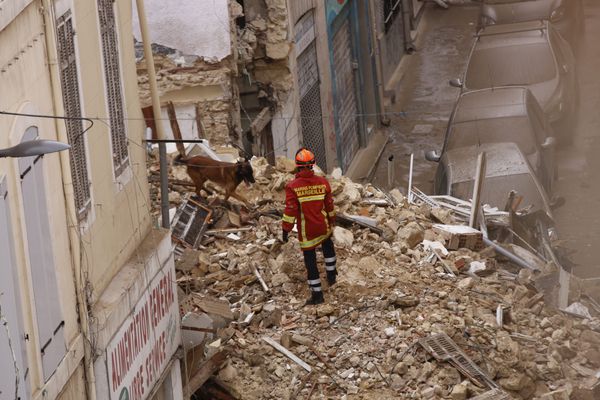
{"x":143,"y":346}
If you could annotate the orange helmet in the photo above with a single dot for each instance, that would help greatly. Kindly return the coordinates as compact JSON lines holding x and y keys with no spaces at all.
{"x":305,"y":158}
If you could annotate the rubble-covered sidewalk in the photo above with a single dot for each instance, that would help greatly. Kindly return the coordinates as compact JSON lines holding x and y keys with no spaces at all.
{"x":377,"y":335}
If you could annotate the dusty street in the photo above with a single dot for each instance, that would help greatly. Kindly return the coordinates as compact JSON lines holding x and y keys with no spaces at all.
{"x":425,"y":100}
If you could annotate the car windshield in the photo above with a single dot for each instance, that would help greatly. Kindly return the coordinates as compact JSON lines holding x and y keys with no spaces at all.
{"x":510,"y":65}
{"x":493,"y":130}
{"x":496,"y":189}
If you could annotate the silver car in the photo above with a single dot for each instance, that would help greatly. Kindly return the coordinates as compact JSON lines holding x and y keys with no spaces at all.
{"x":566,"y":15}
{"x":529,"y":54}
{"x":508,"y":114}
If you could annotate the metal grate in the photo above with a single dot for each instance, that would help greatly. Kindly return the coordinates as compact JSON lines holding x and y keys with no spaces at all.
{"x":310,"y":104}
{"x":114,"y":94}
{"x":494,"y":394}
{"x":190,"y":223}
{"x":346,"y":107}
{"x":445,"y":349}
{"x":72,"y":104}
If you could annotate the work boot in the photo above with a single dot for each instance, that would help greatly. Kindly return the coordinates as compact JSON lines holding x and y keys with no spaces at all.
{"x":316,"y":298}
{"x":331,"y":277}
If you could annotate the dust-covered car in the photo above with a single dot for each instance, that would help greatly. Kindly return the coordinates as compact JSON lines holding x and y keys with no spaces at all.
{"x":508,"y":114}
{"x":506,"y":170}
{"x":529,"y":54}
{"x":566,"y":15}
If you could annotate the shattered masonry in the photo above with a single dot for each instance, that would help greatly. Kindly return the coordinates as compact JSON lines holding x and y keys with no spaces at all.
{"x":260,"y":57}
{"x":364,"y":342}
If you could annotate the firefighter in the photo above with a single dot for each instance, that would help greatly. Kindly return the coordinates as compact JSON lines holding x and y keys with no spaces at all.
{"x":309,"y":204}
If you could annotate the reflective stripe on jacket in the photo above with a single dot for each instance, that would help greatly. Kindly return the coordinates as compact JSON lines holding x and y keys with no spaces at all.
{"x":309,"y":203}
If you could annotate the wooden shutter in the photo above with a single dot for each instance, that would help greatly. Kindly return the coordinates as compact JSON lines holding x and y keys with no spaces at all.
{"x":72,"y":105}
{"x":114,"y":90}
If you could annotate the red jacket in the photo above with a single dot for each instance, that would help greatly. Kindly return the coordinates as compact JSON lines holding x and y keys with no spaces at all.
{"x":309,"y":203}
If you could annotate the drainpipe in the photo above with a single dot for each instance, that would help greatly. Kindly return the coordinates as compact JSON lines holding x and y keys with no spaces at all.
{"x":384,"y":119}
{"x":162,"y":147}
{"x":409,"y":46}
{"x":65,"y":166}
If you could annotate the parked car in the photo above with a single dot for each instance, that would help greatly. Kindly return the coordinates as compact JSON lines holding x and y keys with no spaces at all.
{"x":566,"y":15}
{"x":506,"y":170}
{"x":529,"y":54}
{"x":508,"y":114}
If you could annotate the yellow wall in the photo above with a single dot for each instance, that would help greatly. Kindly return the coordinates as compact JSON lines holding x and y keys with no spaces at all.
{"x":122,"y":215}
{"x":120,"y":219}
{"x":26,"y":88}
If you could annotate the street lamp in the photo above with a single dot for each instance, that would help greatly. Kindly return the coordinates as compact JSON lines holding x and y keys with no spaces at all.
{"x":34,"y":148}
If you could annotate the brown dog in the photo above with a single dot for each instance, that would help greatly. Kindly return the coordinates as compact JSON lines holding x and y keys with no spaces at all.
{"x":227,"y":175}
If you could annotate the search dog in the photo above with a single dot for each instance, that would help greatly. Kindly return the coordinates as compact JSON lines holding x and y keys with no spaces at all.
{"x":227,"y":175}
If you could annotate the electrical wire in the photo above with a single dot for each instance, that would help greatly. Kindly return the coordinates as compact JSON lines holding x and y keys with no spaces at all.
{"x":90,"y":120}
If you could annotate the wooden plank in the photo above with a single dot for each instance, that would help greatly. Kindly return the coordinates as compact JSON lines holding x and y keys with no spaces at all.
{"x":207,"y":369}
{"x":175,"y":127}
{"x":228,"y":230}
{"x":260,"y":122}
{"x":287,"y":353}
{"x":261,"y":280}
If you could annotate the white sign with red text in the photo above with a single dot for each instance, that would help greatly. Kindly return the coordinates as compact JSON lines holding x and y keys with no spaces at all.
{"x":141,"y":349}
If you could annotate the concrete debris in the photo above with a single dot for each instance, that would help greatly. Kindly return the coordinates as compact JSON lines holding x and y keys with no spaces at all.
{"x":390,"y":293}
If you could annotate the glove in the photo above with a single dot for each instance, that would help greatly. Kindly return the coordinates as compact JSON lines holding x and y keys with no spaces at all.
{"x":284,"y":236}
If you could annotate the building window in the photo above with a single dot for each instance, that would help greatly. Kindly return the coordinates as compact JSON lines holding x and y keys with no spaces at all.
{"x":51,"y":339}
{"x":114,"y":93}
{"x":391,"y":10}
{"x":72,"y":105}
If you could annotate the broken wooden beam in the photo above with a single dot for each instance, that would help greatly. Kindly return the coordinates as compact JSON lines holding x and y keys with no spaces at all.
{"x":203,"y":373}
{"x":228,"y":230}
{"x":287,"y":353}
{"x":260,"y":122}
{"x":348,"y":221}
{"x":261,"y":280}
{"x":175,"y":127}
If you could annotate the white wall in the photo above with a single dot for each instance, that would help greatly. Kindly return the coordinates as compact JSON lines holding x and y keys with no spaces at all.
{"x":195,"y":27}
{"x":9,"y":9}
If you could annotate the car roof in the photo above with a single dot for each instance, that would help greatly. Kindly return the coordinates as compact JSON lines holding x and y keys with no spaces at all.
{"x":527,"y":28}
{"x":501,"y":159}
{"x":490,"y":103}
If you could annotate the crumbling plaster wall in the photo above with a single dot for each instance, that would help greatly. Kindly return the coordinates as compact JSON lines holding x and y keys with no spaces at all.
{"x":208,"y":89}
{"x":264,"y":49}
{"x":195,"y":65}
{"x":194,"y":27}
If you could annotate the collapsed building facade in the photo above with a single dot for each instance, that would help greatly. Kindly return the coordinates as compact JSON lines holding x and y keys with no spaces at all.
{"x":271,"y":75}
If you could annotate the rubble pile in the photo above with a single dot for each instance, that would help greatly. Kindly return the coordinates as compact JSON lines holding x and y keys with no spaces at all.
{"x":397,"y":285}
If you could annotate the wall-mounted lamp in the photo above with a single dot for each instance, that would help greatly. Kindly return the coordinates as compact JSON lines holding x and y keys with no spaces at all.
{"x":34,"y":148}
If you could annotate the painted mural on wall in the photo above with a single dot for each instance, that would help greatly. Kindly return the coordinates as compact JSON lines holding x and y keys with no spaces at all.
{"x":333,"y":8}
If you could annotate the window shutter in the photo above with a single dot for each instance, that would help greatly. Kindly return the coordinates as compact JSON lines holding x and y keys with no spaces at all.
{"x":41,"y":259}
{"x":12,"y":335}
{"x":72,"y":105}
{"x":114,"y":94}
